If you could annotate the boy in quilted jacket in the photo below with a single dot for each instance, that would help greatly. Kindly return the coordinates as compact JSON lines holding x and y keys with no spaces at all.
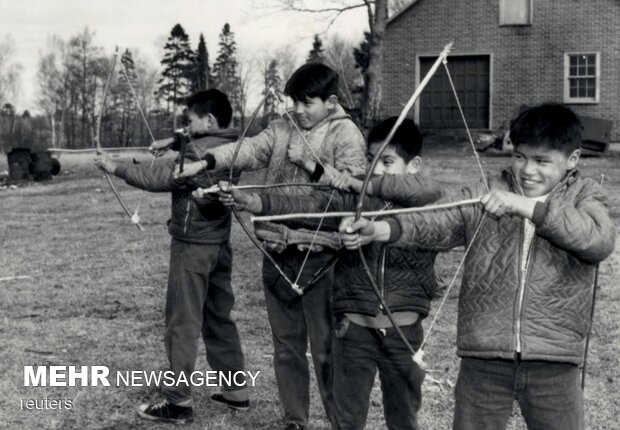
{"x":365,"y":340}
{"x":199,"y":298}
{"x":317,"y":142}
{"x":526,"y":296}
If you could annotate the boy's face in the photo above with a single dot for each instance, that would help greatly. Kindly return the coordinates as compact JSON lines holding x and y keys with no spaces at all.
{"x":310,"y":111}
{"x":201,"y":125}
{"x":538,"y":169}
{"x":391,"y":163}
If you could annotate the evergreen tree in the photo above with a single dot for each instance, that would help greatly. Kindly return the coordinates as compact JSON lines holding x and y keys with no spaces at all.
{"x":225,"y":68}
{"x":124,"y":106}
{"x":316,"y":54}
{"x":274,"y":81}
{"x":178,"y":68}
{"x":202,"y":73}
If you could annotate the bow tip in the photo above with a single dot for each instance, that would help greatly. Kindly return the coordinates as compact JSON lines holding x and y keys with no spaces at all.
{"x":418,"y":358}
{"x":297,"y":289}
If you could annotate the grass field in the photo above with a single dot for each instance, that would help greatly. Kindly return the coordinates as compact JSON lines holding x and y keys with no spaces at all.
{"x":96,"y":291}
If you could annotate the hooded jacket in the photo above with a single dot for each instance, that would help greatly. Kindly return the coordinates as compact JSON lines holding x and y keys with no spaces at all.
{"x":545,"y":309}
{"x":202,"y":221}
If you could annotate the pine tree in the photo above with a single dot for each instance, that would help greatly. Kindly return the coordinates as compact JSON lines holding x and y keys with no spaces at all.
{"x":178,"y":64}
{"x":272,"y":81}
{"x":202,"y":73}
{"x":124,"y":106}
{"x":225,"y":67}
{"x":316,"y":53}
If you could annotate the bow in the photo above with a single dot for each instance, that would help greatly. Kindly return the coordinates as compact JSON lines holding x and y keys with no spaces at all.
{"x":373,"y":164}
{"x":294,"y":284}
{"x":442,"y":59}
{"x":135,"y":219}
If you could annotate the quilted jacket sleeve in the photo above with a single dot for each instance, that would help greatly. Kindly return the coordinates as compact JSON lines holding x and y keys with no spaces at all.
{"x":159,"y":178}
{"x":349,"y":152}
{"x":254,"y":152}
{"x":407,"y":190}
{"x":440,"y":230}
{"x":581,"y":225}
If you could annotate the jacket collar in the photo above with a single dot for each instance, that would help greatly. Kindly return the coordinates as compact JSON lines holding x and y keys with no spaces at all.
{"x":569,"y":179}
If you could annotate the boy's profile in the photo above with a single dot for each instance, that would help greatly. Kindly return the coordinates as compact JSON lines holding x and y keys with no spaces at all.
{"x":317,"y":142}
{"x":525,"y":300}
{"x":365,"y":340}
{"x":199,"y":298}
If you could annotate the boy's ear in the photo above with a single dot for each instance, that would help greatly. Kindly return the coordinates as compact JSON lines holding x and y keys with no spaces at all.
{"x":212,"y":120}
{"x":573,"y":159}
{"x":414,"y":165}
{"x":332,"y":101}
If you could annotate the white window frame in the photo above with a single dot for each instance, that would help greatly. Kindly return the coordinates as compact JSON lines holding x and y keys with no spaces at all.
{"x":597,"y":79}
{"x":502,"y":17}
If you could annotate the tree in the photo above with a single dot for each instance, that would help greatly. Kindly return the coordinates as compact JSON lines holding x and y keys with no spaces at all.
{"x":123,"y":105}
{"x":272,"y":81}
{"x":178,"y":68}
{"x":316,"y":53}
{"x":339,"y":55}
{"x":377,"y":11}
{"x":9,"y":71}
{"x":202,"y":73}
{"x":225,"y":71}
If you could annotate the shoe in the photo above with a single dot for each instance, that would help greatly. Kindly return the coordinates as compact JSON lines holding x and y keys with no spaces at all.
{"x":237,"y":405}
{"x":293,"y":426}
{"x":166,"y":412}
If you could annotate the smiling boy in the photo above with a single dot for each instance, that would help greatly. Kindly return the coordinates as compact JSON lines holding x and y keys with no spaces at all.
{"x":525,"y":300}
{"x":319,"y":143}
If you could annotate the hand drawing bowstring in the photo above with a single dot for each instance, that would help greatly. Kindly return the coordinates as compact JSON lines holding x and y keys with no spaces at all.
{"x":442,"y":59}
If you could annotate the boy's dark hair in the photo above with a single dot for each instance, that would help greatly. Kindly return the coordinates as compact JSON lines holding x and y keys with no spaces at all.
{"x":312,"y":80}
{"x":548,"y":125}
{"x":212,"y":102}
{"x":407,"y":140}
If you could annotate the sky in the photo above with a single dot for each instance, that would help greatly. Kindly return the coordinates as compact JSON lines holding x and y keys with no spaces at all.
{"x":145,"y":24}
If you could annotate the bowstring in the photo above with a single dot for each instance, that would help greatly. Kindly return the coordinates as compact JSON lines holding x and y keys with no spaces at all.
{"x":146,"y":123}
{"x":428,"y":331}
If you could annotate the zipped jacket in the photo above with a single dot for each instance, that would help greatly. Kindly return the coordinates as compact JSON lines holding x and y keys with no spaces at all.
{"x":544,"y":310}
{"x":202,"y":221}
{"x":335,"y":140}
{"x":406,"y":277}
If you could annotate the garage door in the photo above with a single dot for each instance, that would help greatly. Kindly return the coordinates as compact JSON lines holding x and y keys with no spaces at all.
{"x":471,"y":77}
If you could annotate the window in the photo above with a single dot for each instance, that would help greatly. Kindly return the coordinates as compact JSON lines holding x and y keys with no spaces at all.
{"x":515,"y":12}
{"x":581,"y":77}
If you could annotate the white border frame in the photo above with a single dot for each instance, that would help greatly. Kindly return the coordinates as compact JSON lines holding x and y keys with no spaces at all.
{"x":581,"y":100}
{"x":464,"y":54}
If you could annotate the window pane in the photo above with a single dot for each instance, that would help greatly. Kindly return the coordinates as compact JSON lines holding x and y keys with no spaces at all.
{"x":515,"y":12}
{"x":591,"y":87}
{"x":573,"y":60}
{"x":591,"y":70}
{"x":591,"y":59}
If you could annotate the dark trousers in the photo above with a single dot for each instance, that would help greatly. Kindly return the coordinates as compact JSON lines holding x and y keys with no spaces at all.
{"x":358,"y":353}
{"x":548,"y":393}
{"x":294,"y":321}
{"x":198,"y":302}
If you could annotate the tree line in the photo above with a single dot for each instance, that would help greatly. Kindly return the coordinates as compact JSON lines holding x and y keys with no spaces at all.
{"x":72,"y":76}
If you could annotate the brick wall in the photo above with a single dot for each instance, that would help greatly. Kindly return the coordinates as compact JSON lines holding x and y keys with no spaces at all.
{"x":527,"y":62}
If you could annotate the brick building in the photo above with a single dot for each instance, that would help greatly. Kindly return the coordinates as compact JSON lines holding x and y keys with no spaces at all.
{"x":506,"y":53}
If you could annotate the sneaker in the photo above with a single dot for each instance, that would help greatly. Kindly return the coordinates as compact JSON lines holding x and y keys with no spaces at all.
{"x":167,"y":412}
{"x":294,"y":426}
{"x":237,"y":405}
